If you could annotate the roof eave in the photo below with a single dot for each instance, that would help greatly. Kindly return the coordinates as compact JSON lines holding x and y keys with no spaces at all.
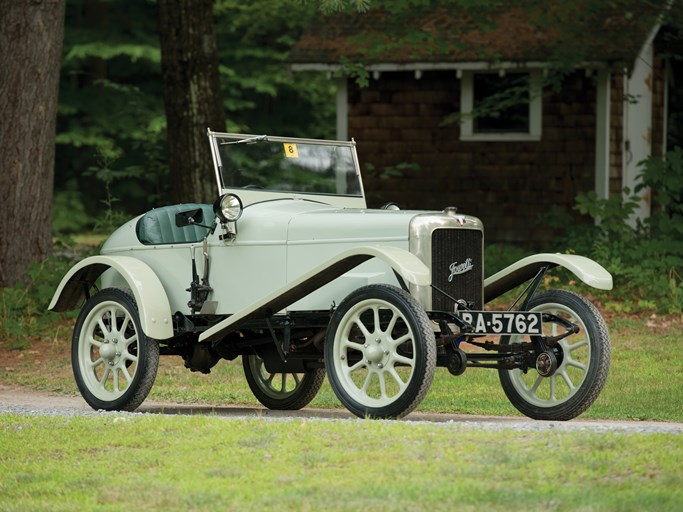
{"x":441,"y":66}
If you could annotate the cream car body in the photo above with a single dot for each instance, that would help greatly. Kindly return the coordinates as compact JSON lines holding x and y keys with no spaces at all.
{"x":294,"y":270}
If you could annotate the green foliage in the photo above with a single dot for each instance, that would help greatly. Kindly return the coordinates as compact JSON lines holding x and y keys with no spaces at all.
{"x":330,"y":6}
{"x":111,"y":218}
{"x":356,"y":71}
{"x":261,"y":95}
{"x":68,"y":212}
{"x":111,"y":98}
{"x":23,"y":307}
{"x":110,"y":102}
{"x":499,"y":256}
{"x":665,"y":177}
{"x":646,"y":260}
{"x":107,"y":51}
{"x":611,"y":234}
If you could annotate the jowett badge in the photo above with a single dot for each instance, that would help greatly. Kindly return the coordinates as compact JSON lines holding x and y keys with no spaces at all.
{"x":460,"y":268}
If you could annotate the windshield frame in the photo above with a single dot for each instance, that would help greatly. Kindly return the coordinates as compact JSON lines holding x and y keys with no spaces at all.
{"x":250,"y":196}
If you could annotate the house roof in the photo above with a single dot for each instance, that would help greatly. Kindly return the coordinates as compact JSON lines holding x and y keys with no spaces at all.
{"x":556,"y":32}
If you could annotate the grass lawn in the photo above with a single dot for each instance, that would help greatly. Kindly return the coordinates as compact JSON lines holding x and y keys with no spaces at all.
{"x":151,"y":462}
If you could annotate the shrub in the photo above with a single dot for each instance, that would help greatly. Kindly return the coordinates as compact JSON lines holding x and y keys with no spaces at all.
{"x":646,"y":260}
{"x":23,"y":307}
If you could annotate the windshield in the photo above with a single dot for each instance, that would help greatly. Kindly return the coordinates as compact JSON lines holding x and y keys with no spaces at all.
{"x":277,"y":164}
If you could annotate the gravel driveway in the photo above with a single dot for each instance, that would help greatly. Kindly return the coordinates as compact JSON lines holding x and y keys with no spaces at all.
{"x":22,"y":401}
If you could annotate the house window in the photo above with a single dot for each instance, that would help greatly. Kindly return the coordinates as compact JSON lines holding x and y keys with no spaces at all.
{"x":516,"y":117}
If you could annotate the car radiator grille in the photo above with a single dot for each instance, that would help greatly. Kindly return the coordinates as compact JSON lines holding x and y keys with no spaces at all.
{"x":457,"y":267}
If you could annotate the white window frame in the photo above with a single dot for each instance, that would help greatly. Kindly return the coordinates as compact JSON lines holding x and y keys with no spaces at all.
{"x":535,"y":110}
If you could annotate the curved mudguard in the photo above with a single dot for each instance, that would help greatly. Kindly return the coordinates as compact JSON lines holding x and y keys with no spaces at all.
{"x":407,"y":265}
{"x":149,"y":294}
{"x":590,"y":272}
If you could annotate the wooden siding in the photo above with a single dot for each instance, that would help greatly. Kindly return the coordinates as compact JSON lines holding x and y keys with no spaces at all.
{"x":658,"y":106}
{"x":616,"y":134}
{"x":659,"y":84}
{"x":508,"y":185}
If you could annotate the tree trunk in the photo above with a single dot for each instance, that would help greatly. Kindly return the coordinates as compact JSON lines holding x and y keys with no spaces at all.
{"x":31,"y":36}
{"x":192,"y":95}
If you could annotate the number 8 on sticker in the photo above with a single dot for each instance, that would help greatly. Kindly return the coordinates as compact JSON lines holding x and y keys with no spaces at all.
{"x":291,"y":151}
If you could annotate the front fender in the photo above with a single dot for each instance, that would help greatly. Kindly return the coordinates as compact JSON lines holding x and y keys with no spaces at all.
{"x":407,"y":265}
{"x":587,"y":270}
{"x":149,"y":294}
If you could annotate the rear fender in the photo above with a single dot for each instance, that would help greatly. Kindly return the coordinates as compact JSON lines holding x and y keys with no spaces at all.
{"x":149,"y":294}
{"x":587,"y":270}
{"x":405,"y":264}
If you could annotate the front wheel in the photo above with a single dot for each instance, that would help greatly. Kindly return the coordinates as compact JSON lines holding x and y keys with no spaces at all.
{"x":114,"y":363}
{"x":281,"y":391}
{"x":582,"y":361}
{"x":380,"y":352}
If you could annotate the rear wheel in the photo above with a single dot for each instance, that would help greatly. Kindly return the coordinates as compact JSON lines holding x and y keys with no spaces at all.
{"x":281,"y":391}
{"x":380,"y":352}
{"x":577,"y":365}
{"x":114,"y":363}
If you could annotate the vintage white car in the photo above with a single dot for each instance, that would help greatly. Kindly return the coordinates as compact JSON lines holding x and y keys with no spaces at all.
{"x":290,"y":270}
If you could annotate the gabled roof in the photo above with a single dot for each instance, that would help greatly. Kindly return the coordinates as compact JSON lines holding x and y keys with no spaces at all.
{"x":558,"y":32}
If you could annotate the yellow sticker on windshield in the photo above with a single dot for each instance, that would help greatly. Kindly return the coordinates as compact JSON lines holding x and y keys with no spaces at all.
{"x":291,"y":151}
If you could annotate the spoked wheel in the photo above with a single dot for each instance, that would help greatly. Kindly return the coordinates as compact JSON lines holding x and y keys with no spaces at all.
{"x":281,"y":391}
{"x":113,"y":362}
{"x":380,"y":352}
{"x":577,"y":368}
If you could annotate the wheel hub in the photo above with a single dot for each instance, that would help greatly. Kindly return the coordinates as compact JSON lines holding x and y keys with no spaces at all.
{"x":546,"y":364}
{"x":108,"y":351}
{"x":374,"y":353}
{"x":457,"y":361}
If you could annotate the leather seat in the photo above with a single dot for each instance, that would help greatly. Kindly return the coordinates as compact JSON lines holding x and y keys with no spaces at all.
{"x":158,"y":226}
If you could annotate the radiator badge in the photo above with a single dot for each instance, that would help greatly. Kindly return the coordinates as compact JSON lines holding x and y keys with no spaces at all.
{"x":460,"y":268}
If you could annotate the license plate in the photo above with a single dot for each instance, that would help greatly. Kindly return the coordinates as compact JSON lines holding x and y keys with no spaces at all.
{"x":503,"y":322}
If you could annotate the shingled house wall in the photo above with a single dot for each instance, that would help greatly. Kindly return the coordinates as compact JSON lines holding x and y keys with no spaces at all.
{"x":616,"y":139}
{"x":508,"y":185}
{"x":659,"y":106}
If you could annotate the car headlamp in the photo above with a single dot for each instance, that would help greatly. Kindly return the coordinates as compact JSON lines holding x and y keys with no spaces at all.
{"x":228,"y":208}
